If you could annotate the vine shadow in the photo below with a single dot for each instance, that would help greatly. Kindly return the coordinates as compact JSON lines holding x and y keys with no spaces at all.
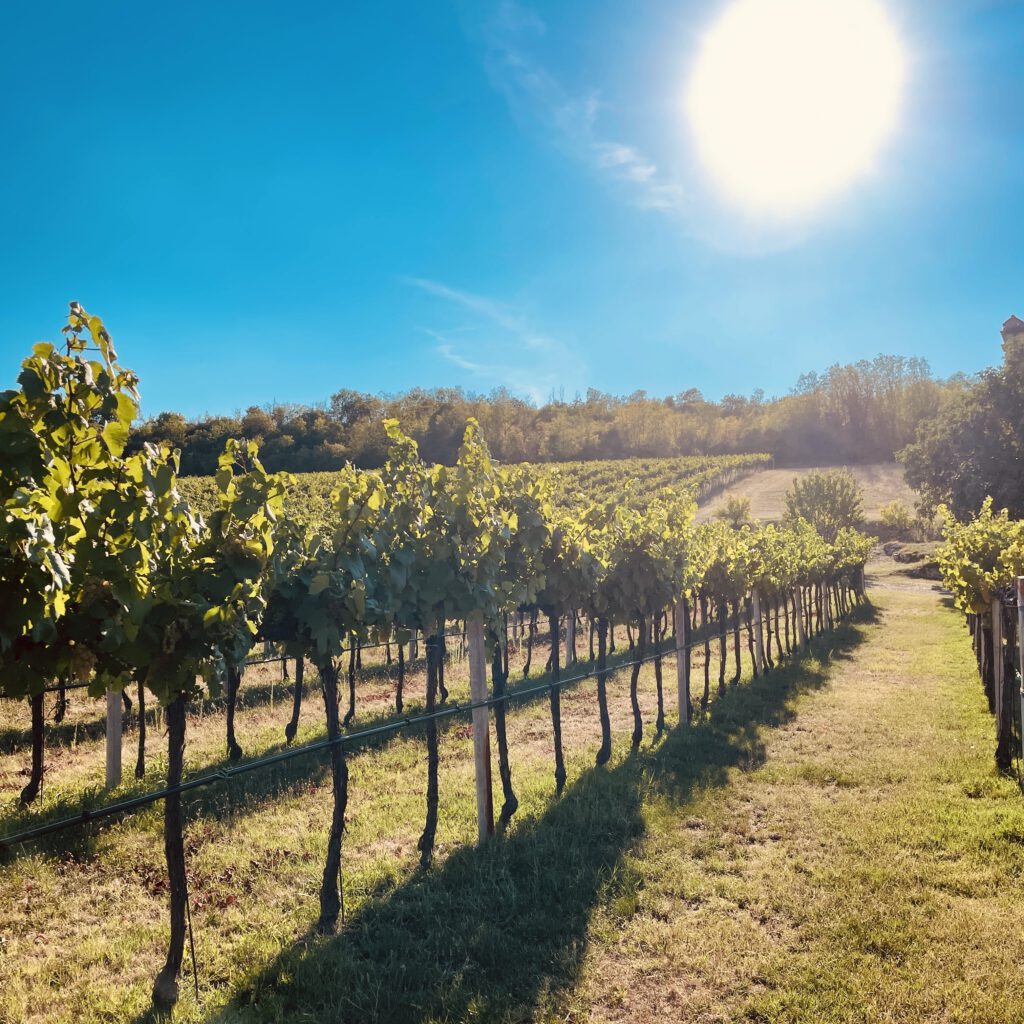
{"x":501,"y":933}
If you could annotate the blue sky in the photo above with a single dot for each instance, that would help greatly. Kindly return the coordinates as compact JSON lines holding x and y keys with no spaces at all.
{"x":273,"y":201}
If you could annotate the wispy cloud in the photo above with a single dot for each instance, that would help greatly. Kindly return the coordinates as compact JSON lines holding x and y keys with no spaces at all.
{"x":571,"y":122}
{"x":498,"y":313}
{"x":499,"y":346}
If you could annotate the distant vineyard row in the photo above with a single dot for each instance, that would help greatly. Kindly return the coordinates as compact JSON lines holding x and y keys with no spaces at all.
{"x":633,"y":481}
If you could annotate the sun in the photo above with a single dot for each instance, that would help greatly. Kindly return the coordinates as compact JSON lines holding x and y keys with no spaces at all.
{"x":791,"y":100}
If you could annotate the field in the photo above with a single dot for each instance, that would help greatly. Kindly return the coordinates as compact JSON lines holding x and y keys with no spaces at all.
{"x":881,"y":482}
{"x":831,"y":843}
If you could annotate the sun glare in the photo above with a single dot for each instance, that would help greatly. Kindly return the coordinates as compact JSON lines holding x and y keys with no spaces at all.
{"x":791,"y":100}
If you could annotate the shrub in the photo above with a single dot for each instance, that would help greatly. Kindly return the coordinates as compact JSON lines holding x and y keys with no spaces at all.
{"x":827,"y":499}
{"x":897,"y":519}
{"x":735,"y":512}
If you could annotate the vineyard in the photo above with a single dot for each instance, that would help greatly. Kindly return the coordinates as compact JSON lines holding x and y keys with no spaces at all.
{"x":982,"y":565}
{"x":636,"y":481}
{"x":117,"y":585}
{"x":248,"y":718}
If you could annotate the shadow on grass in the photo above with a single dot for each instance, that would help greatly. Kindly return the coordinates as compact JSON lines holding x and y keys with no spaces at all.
{"x":500,"y":933}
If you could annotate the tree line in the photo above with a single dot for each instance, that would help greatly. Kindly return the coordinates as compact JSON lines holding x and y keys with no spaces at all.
{"x":972,"y":446}
{"x":853,"y":413}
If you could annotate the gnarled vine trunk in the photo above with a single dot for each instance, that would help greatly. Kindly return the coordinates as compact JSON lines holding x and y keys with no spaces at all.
{"x":140,"y":759}
{"x":706,"y":698}
{"x":351,"y":713}
{"x":35,"y":779}
{"x":499,"y":677}
{"x":634,"y":679}
{"x":165,"y":988}
{"x":62,"y":702}
{"x":556,"y":704}
{"x":723,"y":627}
{"x":736,"y":640}
{"x":529,"y":642}
{"x":400,"y":685}
{"x":426,"y":841}
{"x":292,"y":727}
{"x":749,"y":613}
{"x":442,"y":656}
{"x":659,"y":723}
{"x":234,"y":681}
{"x":605,"y":750}
{"x":330,"y":892}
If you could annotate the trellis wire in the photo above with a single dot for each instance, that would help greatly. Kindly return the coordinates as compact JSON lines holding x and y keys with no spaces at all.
{"x":348,"y":740}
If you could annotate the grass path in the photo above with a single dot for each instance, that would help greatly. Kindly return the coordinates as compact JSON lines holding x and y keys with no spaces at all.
{"x":830,"y":844}
{"x":868,"y":870}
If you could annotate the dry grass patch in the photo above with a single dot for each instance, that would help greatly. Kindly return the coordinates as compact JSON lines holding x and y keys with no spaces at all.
{"x":882,"y":482}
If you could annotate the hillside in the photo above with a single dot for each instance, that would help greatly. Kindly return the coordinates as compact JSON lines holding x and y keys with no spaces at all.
{"x":882,"y":482}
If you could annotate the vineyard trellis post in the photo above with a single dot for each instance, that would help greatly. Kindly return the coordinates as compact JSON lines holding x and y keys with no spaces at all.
{"x":758,"y":633}
{"x":800,"y":624}
{"x":998,"y":664}
{"x":481,"y":725}
{"x":682,"y":682}
{"x":1019,"y":587}
{"x":113,"y":775}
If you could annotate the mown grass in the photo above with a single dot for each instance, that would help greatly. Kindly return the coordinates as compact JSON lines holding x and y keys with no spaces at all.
{"x":880,"y":483}
{"x":869,"y":870}
{"x":830,"y":844}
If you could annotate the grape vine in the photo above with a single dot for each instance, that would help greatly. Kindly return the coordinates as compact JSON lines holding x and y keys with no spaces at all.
{"x":111,"y":575}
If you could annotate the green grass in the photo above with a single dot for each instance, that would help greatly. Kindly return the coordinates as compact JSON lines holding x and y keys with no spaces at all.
{"x":830,"y":844}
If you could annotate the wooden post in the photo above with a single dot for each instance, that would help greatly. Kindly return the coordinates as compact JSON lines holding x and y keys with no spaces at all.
{"x":570,"y":637}
{"x":113,"y":739}
{"x":997,"y":660}
{"x":801,"y":626}
{"x":481,"y":725}
{"x":682,"y":682}
{"x":758,"y":633}
{"x":1020,"y":648}
{"x":412,"y":646}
